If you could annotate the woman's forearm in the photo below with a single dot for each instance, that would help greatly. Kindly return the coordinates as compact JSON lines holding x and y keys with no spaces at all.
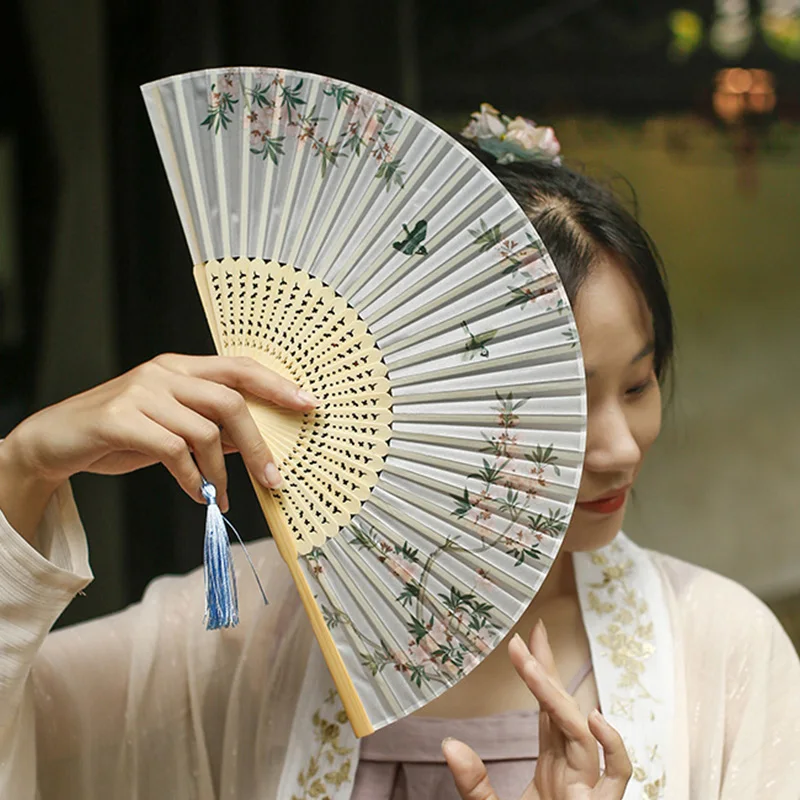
{"x":24,"y":494}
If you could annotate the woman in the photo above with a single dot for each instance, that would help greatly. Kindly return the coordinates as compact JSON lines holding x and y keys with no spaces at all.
{"x":691,"y":669}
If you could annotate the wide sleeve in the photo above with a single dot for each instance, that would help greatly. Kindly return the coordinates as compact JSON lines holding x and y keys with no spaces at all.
{"x":761,"y":751}
{"x":742,"y":677}
{"x":145,"y":703}
{"x":35,"y":588}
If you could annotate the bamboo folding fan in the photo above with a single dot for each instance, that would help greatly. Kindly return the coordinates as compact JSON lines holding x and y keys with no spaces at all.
{"x":350,"y":245}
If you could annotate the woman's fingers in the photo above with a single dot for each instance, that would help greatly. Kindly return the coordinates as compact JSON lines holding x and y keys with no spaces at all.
{"x":142,"y":435}
{"x":580,"y":748}
{"x":241,"y":373}
{"x":228,"y":408}
{"x":203,"y":438}
{"x":469,"y":772}
{"x":550,"y":736}
{"x":618,"y":769}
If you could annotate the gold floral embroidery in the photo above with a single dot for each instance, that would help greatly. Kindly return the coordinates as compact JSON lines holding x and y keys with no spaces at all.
{"x":628,"y":639}
{"x":330,"y":766}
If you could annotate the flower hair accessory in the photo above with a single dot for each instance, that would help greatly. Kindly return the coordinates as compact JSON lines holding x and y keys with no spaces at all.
{"x":509,"y":140}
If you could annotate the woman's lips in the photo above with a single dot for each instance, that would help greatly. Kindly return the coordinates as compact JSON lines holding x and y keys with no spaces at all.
{"x":608,"y":504}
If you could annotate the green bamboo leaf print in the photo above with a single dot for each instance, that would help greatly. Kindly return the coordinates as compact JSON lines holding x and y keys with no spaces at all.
{"x":520,"y":553}
{"x":450,"y":653}
{"x":290,"y":97}
{"x":553,"y":524}
{"x":508,"y":408}
{"x":258,"y":96}
{"x":485,"y":237}
{"x":377,"y":659}
{"x":511,"y":505}
{"x":463,"y":504}
{"x":456,"y":601}
{"x":391,"y":172}
{"x":271,"y":147}
{"x":407,"y":552}
{"x":328,"y":153}
{"x":333,"y":617}
{"x":363,"y":536}
{"x":417,"y":628}
{"x":477,"y":344}
{"x":489,"y":473}
{"x":532,"y":252}
{"x":412,"y":243}
{"x":543,"y":456}
{"x":571,"y":336}
{"x":353,"y":141}
{"x":520,"y":295}
{"x":417,"y":674}
{"x":220,"y":110}
{"x":409,"y":594}
{"x":342,"y":94}
{"x":480,"y":615}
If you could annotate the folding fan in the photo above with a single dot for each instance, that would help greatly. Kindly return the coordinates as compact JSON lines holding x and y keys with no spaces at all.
{"x":352,"y":246}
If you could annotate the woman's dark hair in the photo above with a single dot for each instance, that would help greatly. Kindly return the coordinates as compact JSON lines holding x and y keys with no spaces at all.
{"x":578,"y":218}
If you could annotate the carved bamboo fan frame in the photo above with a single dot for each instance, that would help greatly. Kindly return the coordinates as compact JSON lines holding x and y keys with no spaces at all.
{"x":295,"y":325}
{"x":350,"y":245}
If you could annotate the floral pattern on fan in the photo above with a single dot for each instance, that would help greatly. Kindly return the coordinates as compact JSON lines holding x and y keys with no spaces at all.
{"x":526,"y":528}
{"x":270,"y":101}
{"x":449,"y":630}
{"x":524,"y":263}
{"x":440,"y":647}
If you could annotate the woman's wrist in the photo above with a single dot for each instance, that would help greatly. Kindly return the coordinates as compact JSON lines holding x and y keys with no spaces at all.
{"x":24,"y":490}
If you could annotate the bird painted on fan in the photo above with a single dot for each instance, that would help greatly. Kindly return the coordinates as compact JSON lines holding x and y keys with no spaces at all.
{"x":477,"y":343}
{"x":412,"y":244}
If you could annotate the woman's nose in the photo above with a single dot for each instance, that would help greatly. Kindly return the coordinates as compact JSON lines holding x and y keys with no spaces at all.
{"x":610,"y":443}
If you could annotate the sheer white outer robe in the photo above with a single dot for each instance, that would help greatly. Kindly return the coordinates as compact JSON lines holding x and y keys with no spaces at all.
{"x":147,"y":704}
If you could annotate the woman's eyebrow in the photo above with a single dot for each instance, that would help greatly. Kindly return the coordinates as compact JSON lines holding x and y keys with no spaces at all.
{"x":647,"y":350}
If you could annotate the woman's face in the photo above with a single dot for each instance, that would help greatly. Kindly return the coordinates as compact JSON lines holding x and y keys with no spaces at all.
{"x":624,"y":400}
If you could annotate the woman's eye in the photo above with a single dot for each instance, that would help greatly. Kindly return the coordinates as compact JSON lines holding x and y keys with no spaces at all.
{"x":640,"y":388}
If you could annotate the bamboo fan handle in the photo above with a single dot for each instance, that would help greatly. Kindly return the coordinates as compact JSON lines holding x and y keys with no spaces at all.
{"x":341,"y":677}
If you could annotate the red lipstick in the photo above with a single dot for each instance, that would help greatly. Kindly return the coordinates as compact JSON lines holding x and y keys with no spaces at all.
{"x":608,"y":504}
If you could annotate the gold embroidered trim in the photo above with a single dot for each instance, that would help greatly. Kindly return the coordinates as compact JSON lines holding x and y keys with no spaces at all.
{"x":329,"y":768}
{"x":628,"y":641}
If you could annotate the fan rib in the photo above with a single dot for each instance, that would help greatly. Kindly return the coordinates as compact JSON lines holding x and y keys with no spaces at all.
{"x":222,"y":191}
{"x":335,"y":207}
{"x":165,"y":139}
{"x":555,"y":490}
{"x":457,"y":347}
{"x":354,"y":219}
{"x":314,"y":195}
{"x":390,"y":701}
{"x":359,"y":265}
{"x":191,"y":157}
{"x":488,"y":504}
{"x":543,"y":356}
{"x":427,"y":601}
{"x":365,"y":608}
{"x":570,"y":387}
{"x":438,"y":541}
{"x":482,"y":311}
{"x":393,"y":213}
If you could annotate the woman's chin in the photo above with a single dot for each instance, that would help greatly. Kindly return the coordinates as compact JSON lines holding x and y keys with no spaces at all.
{"x":589,"y":530}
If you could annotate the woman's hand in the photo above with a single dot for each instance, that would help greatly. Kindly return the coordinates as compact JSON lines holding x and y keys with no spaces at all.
{"x":568,"y":767}
{"x":173,"y":409}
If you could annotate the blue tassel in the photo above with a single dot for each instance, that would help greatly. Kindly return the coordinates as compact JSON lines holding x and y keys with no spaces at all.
{"x":222,"y":601}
